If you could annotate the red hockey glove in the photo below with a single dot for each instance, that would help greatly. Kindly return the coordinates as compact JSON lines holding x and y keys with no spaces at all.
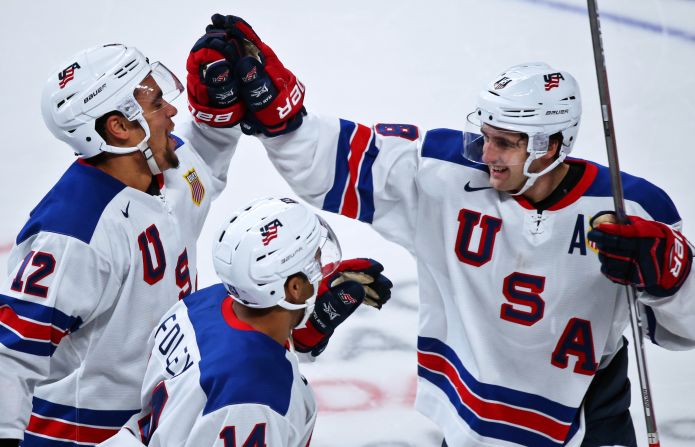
{"x":367,"y":272}
{"x":271,"y":92}
{"x":647,"y":254}
{"x":333,"y":306}
{"x":213,"y":89}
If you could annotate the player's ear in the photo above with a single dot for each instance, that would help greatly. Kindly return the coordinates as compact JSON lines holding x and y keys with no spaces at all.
{"x":116,"y":129}
{"x":295,"y":287}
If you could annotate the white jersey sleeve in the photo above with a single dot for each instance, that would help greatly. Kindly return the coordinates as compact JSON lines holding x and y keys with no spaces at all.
{"x":365,"y":173}
{"x":46,"y":298}
{"x":94,"y":268}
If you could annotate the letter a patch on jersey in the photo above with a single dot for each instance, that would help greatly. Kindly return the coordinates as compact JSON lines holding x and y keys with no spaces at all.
{"x":197,"y":188}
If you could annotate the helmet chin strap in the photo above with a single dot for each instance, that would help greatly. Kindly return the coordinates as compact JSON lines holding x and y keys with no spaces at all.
{"x":145,"y":148}
{"x":308,"y":306}
{"x":531,"y":177}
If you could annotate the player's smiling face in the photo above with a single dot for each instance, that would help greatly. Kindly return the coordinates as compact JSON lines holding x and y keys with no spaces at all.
{"x":504,"y":152}
{"x":158,"y":114}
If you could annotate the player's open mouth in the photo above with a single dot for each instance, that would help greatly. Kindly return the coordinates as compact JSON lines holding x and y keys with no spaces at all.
{"x":497,"y":171}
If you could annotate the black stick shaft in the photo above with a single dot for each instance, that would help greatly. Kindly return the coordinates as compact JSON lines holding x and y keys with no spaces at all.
{"x":619,"y":201}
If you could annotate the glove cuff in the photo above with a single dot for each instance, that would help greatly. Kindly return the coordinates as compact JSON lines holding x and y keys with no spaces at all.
{"x":216,"y":117}
{"x":308,"y":337}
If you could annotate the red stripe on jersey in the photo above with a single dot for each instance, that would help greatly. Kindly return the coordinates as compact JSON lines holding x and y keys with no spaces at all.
{"x":590,"y":172}
{"x":358,"y":146}
{"x":29,"y":329}
{"x":68,"y":431}
{"x":495,"y":411}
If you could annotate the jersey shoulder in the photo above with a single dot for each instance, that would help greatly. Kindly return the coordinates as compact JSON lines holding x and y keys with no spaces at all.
{"x":73,"y":207}
{"x":650,"y":197}
{"x":447,"y":145}
{"x":238,"y":365}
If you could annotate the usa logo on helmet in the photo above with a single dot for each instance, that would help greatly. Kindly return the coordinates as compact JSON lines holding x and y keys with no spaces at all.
{"x":67,"y":75}
{"x":270,"y":231}
{"x":502,"y":83}
{"x":197,"y":188}
{"x":552,"y":80}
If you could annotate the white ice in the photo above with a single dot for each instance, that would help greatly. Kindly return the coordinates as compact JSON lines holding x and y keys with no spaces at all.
{"x":384,"y":61}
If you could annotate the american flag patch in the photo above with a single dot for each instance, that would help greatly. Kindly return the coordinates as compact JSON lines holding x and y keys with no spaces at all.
{"x":552,"y":80}
{"x":197,"y":188}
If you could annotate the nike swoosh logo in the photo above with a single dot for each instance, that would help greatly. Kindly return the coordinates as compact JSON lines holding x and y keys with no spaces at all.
{"x":125,"y":213}
{"x":470,"y":188}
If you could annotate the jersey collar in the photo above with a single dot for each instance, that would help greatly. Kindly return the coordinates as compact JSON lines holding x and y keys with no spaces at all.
{"x":590,"y":172}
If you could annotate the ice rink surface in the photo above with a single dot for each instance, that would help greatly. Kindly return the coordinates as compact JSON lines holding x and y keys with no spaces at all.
{"x":384,"y":61}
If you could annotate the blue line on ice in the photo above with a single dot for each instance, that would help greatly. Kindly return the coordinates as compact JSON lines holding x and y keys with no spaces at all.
{"x":623,"y":20}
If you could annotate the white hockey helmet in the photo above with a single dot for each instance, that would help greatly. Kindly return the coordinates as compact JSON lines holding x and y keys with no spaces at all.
{"x":267,"y":241}
{"x":534,"y":99}
{"x":97,"y":81}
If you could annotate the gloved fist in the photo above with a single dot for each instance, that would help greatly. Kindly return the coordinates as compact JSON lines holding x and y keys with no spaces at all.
{"x":333,"y":306}
{"x":272,"y":93}
{"x":647,"y":254}
{"x":213,"y":89}
{"x":367,"y":272}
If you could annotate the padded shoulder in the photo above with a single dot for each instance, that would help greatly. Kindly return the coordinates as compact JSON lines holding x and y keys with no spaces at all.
{"x":73,"y":207}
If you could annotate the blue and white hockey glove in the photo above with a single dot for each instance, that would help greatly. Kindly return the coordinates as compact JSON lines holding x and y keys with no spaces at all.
{"x":647,"y":254}
{"x":273,"y":95}
{"x":354,"y":281}
{"x":367,"y":272}
{"x":333,"y":306}
{"x":213,"y":89}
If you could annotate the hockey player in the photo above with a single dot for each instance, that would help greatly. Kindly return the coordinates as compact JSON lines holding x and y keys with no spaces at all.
{"x":108,"y":250}
{"x":520,"y":339}
{"x":220,"y":372}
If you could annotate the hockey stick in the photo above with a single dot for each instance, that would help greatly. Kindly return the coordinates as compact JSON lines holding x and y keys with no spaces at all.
{"x":619,"y":201}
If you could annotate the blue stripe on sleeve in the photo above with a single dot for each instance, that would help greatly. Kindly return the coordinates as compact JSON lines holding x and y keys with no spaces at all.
{"x":31,"y":440}
{"x":17,"y":343}
{"x":99,"y":418}
{"x":365,"y":185}
{"x":334,"y":197}
{"x":41,"y":313}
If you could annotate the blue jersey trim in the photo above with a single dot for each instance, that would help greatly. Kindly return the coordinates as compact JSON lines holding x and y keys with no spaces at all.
{"x":41,"y":313}
{"x":73,"y":206}
{"x":237,"y":366}
{"x":498,"y":393}
{"x":365,"y":185}
{"x":13,"y":341}
{"x":100,"y":418}
{"x":447,"y":145}
{"x":635,"y":189}
{"x":334,"y":197}
{"x":31,"y":440}
{"x":179,"y":141}
{"x":485,"y":428}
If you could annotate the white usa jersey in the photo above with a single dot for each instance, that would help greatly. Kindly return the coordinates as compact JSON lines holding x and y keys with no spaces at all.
{"x":93,"y":270}
{"x":515,"y":317}
{"x":213,"y":380}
